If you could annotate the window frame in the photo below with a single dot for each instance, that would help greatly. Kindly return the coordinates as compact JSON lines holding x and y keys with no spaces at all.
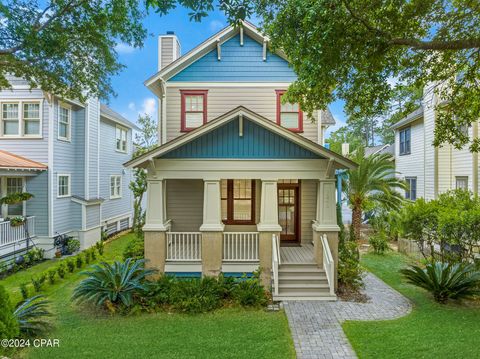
{"x":408,"y":193}
{"x":120,"y":191}
{"x":24,"y":120}
{"x":230,"y":205}
{"x":67,"y":107}
{"x":69,"y":184}
{"x":4,"y":191}
{"x":299,"y":129}
{"x":461,"y":178}
{"x":405,"y":151}
{"x":21,"y":119}
{"x":183,"y":113}
{"x":122,"y":130}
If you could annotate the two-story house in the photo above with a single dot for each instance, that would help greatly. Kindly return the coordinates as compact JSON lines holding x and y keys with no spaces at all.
{"x":70,"y":156}
{"x":241,"y":180}
{"x":432,"y":170}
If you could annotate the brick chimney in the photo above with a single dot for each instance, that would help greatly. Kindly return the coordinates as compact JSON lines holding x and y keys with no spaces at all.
{"x":168,"y":49}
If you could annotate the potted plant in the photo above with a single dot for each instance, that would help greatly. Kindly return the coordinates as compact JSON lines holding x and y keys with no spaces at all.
{"x":73,"y":245}
{"x":17,"y":221}
{"x":16,"y":197}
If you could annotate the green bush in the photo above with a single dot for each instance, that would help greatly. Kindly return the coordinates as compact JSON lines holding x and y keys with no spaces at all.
{"x":37,"y":282}
{"x":73,"y":245}
{"x":87,"y":257}
{"x":349,"y":269}
{"x":61,"y":270}
{"x":71,"y":265}
{"x":196,"y":295}
{"x":24,"y":290}
{"x":379,"y":242}
{"x":100,"y":247}
{"x":79,"y":261}
{"x":9,"y":327}
{"x":445,"y":280}
{"x":113,"y":286}
{"x":51,"y":275}
{"x":134,"y":249}
{"x":249,"y":292}
{"x":93,"y":254}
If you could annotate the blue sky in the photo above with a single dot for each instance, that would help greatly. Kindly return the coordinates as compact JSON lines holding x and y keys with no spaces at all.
{"x":133,"y":98}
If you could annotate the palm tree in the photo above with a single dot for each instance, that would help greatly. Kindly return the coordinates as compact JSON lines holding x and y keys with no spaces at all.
{"x":374,"y":184}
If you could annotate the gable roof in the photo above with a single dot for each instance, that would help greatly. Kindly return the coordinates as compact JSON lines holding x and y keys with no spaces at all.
{"x":205,"y":47}
{"x":412,"y":116}
{"x":382,"y":149}
{"x":108,"y":113}
{"x":253,"y":117}
{"x":327,"y":117}
{"x":10,"y":161}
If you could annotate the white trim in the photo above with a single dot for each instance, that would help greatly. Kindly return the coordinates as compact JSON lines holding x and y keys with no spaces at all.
{"x":117,"y":218}
{"x":69,"y":176}
{"x":200,"y":84}
{"x":122,"y":129}
{"x":118,"y":195}
{"x":68,"y":107}
{"x":98,"y":148}
{"x":51,"y":127}
{"x":87,"y":203}
{"x":87,"y":151}
{"x":84,"y":217}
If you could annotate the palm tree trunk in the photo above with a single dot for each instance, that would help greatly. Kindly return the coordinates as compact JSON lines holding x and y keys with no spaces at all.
{"x":356,"y":222}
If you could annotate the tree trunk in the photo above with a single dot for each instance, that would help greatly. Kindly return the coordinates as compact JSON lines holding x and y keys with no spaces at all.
{"x":356,"y":222}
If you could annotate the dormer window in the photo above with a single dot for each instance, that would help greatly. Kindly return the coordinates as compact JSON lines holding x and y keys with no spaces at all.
{"x":289,"y":115}
{"x":193,"y":109}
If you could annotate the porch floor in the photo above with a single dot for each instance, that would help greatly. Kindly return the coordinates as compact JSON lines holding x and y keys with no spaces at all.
{"x":297,"y":255}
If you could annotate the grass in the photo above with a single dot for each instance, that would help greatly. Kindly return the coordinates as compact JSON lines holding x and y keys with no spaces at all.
{"x":226,"y":333}
{"x":431,"y":331}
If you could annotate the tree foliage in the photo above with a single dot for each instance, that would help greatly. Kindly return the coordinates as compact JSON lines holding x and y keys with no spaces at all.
{"x":67,"y":47}
{"x":353,"y":49}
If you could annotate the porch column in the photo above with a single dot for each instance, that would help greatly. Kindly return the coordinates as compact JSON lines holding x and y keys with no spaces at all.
{"x":326,"y":222}
{"x":212,"y":229}
{"x":268,"y":226}
{"x":156,"y":225}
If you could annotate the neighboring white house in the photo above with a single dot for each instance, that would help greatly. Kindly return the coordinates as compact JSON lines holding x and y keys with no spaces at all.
{"x":430,"y":170}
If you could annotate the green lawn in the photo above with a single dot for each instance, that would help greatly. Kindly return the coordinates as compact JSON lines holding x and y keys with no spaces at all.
{"x":234,"y":333}
{"x":430,"y":331}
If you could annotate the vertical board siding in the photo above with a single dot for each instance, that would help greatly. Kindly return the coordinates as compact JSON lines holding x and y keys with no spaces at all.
{"x":412,"y":165}
{"x":38,"y":205}
{"x":185,"y":204}
{"x":308,"y":209}
{"x":226,"y":142}
{"x":238,"y":63}
{"x":111,"y":163}
{"x":220,"y":100}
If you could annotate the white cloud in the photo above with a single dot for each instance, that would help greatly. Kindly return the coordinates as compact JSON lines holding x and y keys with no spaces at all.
{"x":131,"y":106}
{"x":123,"y":48}
{"x":149,"y":107}
{"x":216,"y":25}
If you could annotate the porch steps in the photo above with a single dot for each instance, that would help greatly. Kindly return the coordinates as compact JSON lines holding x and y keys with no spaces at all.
{"x":302,"y":281}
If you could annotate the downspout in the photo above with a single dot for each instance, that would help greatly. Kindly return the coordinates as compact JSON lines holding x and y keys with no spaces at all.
{"x":475,"y":160}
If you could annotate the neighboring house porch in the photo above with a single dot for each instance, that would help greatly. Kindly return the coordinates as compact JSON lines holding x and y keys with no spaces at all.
{"x":242,"y":193}
{"x":17,"y":175}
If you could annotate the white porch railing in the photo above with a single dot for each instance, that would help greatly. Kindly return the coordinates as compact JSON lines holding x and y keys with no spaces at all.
{"x":275,"y":262}
{"x":240,"y":246}
{"x":184,"y":246}
{"x":10,"y":235}
{"x":328,"y":263}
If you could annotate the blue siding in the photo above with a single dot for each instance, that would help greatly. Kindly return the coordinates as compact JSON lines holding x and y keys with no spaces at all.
{"x":92,"y":216}
{"x":238,"y":63}
{"x":256,"y":142}
{"x":111,"y":163}
{"x":38,"y":205}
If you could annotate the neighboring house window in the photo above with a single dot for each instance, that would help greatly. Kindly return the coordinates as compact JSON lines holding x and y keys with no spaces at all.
{"x":238,"y":201}
{"x":115,"y":186}
{"x":64,"y":186}
{"x":121,"y":139}
{"x":31,"y":119}
{"x":15,"y":185}
{"x":11,"y":119}
{"x":405,"y":139}
{"x":193,"y":109}
{"x":289,"y":115}
{"x":64,"y":122}
{"x":411,"y":192}
{"x":461,"y":182}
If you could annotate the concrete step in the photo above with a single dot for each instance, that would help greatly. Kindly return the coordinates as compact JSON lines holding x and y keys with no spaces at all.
{"x":302,"y":279}
{"x":292,"y":289}
{"x":304,"y":297}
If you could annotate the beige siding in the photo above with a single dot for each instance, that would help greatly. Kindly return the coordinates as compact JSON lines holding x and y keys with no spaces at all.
{"x":429,"y":128}
{"x":308,"y":204}
{"x":412,"y":165}
{"x":185,"y":204}
{"x":261,"y":100}
{"x":167,"y":51}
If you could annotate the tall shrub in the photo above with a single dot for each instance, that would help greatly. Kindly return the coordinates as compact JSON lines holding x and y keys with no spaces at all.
{"x":9,"y":327}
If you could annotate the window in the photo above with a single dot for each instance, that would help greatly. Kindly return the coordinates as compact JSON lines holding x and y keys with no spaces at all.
{"x":289,"y":115}
{"x":238,"y":201}
{"x":193,"y":108}
{"x":405,"y":141}
{"x":115,"y":186}
{"x":63,"y":186}
{"x":15,"y":185}
{"x":31,"y":119}
{"x":64,"y":123}
{"x":121,"y":139}
{"x":11,"y":119}
{"x":461,"y":182}
{"x":411,"y":192}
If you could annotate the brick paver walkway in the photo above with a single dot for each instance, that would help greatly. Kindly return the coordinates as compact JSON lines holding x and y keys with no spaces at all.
{"x":316,"y":326}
